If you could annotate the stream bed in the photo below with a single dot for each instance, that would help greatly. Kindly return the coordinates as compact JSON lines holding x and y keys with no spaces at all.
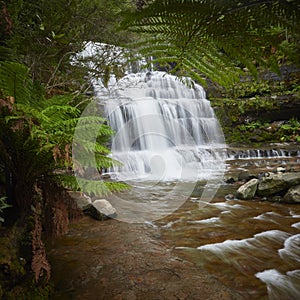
{"x":252,"y":248}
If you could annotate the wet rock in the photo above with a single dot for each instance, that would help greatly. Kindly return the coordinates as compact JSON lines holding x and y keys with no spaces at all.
{"x":248,"y":190}
{"x":83,"y":202}
{"x":101,"y":210}
{"x":276,"y":183}
{"x":280,"y":170}
{"x":229,"y":197}
{"x":293,"y":195}
{"x":135,"y":266}
{"x":244,"y":176}
{"x":276,"y":198}
{"x":230,"y":180}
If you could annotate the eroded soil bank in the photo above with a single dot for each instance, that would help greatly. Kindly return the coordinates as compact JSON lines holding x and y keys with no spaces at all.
{"x":116,"y":260}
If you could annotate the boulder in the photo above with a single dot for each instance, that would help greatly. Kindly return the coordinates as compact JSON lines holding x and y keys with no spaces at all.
{"x":248,"y":190}
{"x":292,"y":195}
{"x":83,"y":202}
{"x":277,"y":183}
{"x":101,"y":210}
{"x":275,"y":198}
{"x":280,"y":170}
{"x":230,"y":180}
{"x":244,"y":176}
{"x":229,"y":197}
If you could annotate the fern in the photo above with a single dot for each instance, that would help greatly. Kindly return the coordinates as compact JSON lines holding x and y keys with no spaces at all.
{"x":15,"y":82}
{"x":202,"y":37}
{"x":36,"y":137}
{"x":3,"y":205}
{"x":91,"y":187}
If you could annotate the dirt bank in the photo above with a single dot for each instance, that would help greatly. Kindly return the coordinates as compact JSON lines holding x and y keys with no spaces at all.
{"x":116,"y":260}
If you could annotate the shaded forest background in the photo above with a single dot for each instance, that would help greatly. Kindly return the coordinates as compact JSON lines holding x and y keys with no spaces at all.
{"x":250,"y":69}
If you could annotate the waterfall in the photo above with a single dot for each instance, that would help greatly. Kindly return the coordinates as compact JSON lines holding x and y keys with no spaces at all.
{"x":164,"y":128}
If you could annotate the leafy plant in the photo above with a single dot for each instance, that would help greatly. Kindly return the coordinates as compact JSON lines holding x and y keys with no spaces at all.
{"x":216,"y":39}
{"x":250,"y":126}
{"x":290,"y":131}
{"x":3,"y":205}
{"x":44,"y":35}
{"x":37,"y":134}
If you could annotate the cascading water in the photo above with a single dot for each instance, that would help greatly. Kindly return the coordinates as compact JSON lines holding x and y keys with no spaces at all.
{"x":167,"y":132}
{"x":165,"y":129}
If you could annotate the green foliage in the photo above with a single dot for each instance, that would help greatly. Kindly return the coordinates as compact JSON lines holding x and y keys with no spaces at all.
{"x":290,"y":131}
{"x":95,"y":187}
{"x":103,"y":60}
{"x":251,"y":89}
{"x":36,"y":137}
{"x":263,"y":132}
{"x":3,"y":205}
{"x":210,"y":38}
{"x":16,"y":280}
{"x":42,"y":95}
{"x":46,"y":34}
{"x":14,"y":81}
{"x":9,"y":257}
{"x":251,"y":126}
{"x":251,"y":109}
{"x":236,"y":109}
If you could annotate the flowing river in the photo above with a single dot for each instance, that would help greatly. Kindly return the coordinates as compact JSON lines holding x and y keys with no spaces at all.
{"x":251,"y":246}
{"x":174,"y":157}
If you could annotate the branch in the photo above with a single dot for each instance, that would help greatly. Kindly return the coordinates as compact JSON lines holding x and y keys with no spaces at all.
{"x":57,"y":67}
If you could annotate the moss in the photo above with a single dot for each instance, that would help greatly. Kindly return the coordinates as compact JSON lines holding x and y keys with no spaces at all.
{"x":244,"y":109}
{"x":9,"y":258}
{"x":29,"y":291}
{"x":16,"y":277}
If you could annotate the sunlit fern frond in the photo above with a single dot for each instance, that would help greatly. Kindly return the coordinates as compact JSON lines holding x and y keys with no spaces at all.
{"x":91,"y":187}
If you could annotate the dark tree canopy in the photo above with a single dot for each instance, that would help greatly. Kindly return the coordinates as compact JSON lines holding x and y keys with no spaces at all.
{"x":44,"y":34}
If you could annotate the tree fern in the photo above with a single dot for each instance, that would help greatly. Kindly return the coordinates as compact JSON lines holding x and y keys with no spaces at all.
{"x":191,"y":31}
{"x":36,"y":137}
{"x":92,"y":187}
{"x":14,"y":81}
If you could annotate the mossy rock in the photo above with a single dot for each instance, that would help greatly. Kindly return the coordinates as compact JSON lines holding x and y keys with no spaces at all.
{"x":16,"y":277}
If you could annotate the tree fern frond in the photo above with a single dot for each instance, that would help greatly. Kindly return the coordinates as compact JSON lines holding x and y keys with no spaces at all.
{"x":60,"y":100}
{"x":210,"y":70}
{"x":242,"y":29}
{"x":105,"y":162}
{"x":116,"y":186}
{"x":67,"y":181}
{"x":90,"y":187}
{"x":67,"y":126}
{"x":84,"y":160}
{"x":6,"y":54}
{"x":91,"y":120}
{"x":93,"y":147}
{"x":37,"y":133}
{"x":14,"y":81}
{"x":86,"y":130}
{"x":31,"y":111}
{"x":61,"y":112}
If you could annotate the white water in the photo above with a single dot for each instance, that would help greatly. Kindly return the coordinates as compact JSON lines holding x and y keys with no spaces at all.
{"x":165,"y":130}
{"x":281,"y":286}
